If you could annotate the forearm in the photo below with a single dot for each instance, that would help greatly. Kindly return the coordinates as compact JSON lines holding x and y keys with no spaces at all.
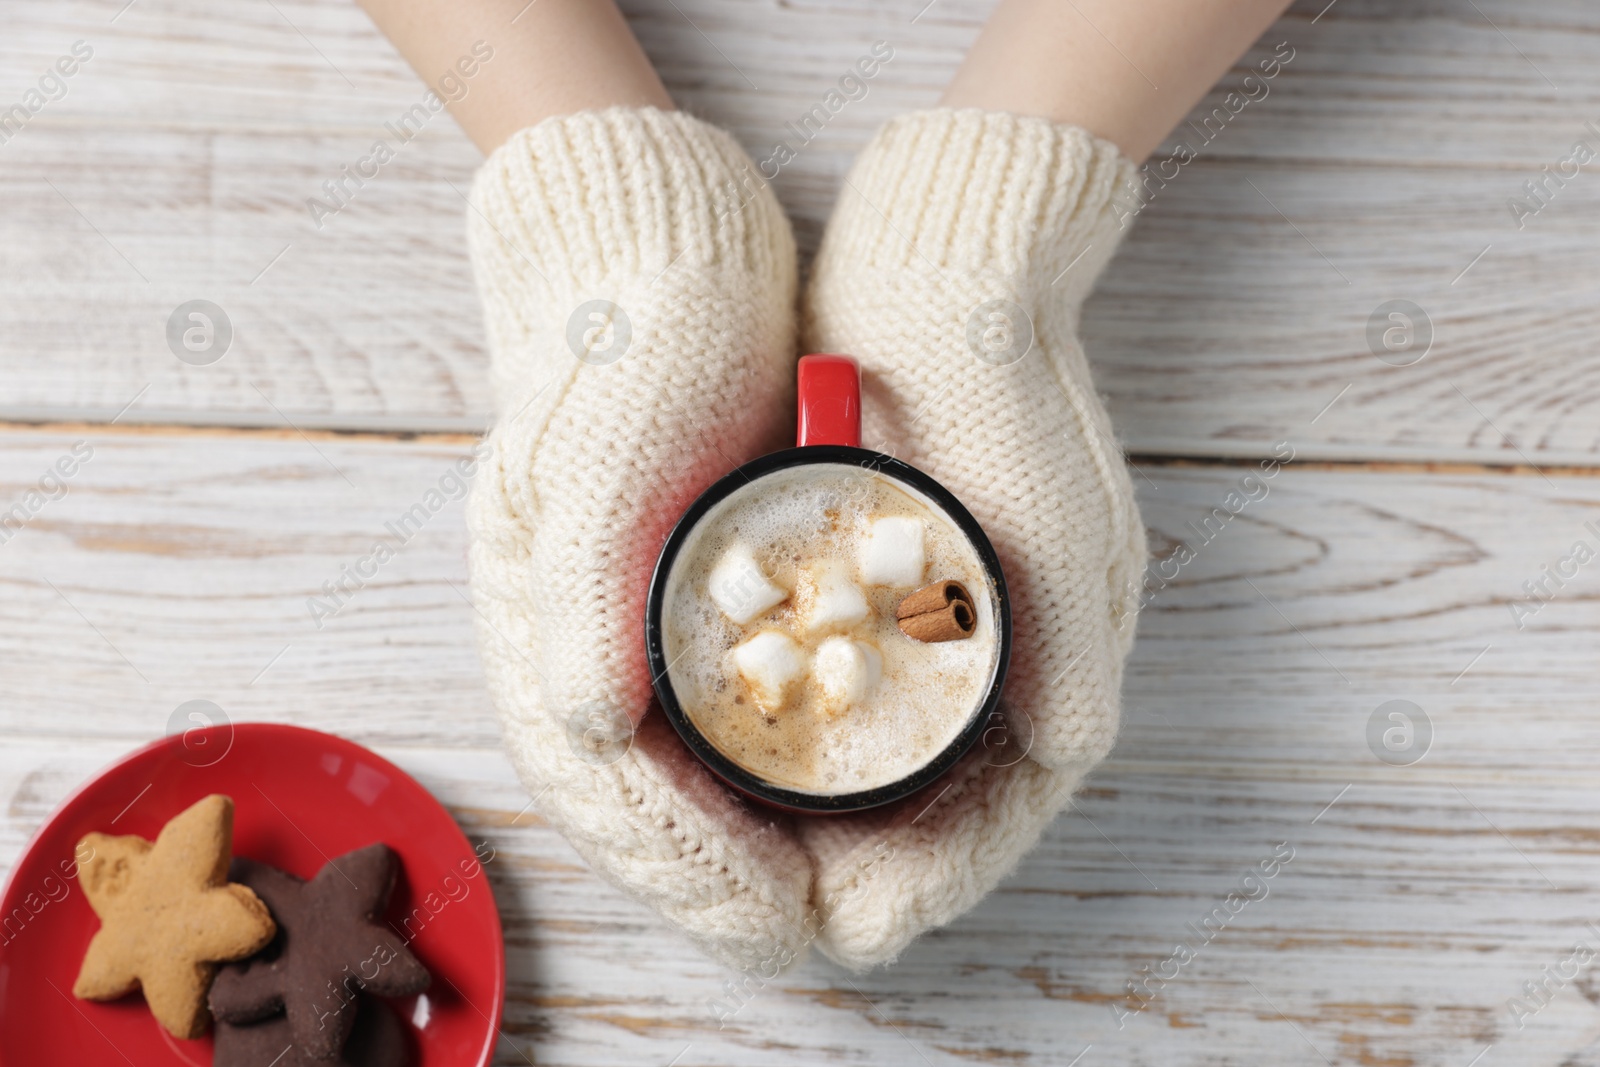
{"x":550,"y":57}
{"x":1125,"y":71}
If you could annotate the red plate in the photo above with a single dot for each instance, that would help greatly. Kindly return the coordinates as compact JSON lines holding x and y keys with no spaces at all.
{"x":300,"y":797}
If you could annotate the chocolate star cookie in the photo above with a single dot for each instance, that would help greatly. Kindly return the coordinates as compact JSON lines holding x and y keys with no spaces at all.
{"x":168,"y":915}
{"x":329,"y":947}
{"x":377,"y":1040}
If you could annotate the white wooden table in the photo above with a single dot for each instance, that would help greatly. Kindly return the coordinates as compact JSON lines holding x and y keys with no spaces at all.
{"x":1385,"y":564}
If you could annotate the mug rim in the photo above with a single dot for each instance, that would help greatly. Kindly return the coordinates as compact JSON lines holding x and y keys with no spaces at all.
{"x":655,"y":646}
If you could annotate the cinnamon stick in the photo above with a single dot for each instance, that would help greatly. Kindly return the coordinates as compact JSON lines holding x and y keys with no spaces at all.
{"x":932,"y":598}
{"x":942,"y":611}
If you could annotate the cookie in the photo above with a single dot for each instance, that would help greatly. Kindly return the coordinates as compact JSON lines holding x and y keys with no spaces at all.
{"x":168,"y":915}
{"x":329,"y":947}
{"x":378,"y":1039}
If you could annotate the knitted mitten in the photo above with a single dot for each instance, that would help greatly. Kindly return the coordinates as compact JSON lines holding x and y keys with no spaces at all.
{"x":954,"y":268}
{"x":638,"y":285}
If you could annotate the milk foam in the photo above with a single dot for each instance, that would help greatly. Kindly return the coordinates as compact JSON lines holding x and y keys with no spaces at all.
{"x":927,"y":693}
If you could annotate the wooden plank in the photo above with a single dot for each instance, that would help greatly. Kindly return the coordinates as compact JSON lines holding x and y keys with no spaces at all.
{"x":1399,"y":929}
{"x":202,"y":560}
{"x":1418,"y":900}
{"x":1264,"y":318}
{"x":185,"y":566}
{"x":1390,"y":144}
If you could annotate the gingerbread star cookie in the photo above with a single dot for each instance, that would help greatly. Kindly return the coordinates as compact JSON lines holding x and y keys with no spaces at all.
{"x":377,"y":1040}
{"x":168,"y":915}
{"x":329,"y":947}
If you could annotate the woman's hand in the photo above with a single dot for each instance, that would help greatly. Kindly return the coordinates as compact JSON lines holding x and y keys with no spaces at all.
{"x":953,"y":270}
{"x":639,"y":293}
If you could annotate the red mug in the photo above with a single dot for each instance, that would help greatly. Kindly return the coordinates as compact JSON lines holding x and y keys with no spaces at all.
{"x":828,"y":430}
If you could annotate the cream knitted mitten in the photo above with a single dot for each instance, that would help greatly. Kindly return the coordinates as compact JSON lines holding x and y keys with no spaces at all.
{"x":638,"y":291}
{"x":954,"y":269}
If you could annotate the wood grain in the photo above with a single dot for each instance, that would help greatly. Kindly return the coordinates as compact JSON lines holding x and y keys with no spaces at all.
{"x":1417,"y":901}
{"x":179,"y":163}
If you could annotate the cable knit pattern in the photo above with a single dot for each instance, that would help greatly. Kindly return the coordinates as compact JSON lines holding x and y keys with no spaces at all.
{"x":590,"y":465}
{"x":944,"y":213}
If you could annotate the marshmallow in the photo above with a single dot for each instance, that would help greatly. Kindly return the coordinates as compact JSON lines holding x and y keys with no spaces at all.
{"x":739,"y":588}
{"x":826,"y":598}
{"x":846,"y":669}
{"x":893,"y":553}
{"x":769,"y":663}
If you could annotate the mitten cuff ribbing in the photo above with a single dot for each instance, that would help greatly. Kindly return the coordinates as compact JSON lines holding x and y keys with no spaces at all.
{"x":984,"y":192}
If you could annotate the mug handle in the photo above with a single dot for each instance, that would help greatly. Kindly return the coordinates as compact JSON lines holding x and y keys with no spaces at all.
{"x":830,"y":401}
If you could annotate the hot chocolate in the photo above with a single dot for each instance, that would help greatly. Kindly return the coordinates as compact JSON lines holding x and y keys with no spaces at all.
{"x":829,"y":629}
